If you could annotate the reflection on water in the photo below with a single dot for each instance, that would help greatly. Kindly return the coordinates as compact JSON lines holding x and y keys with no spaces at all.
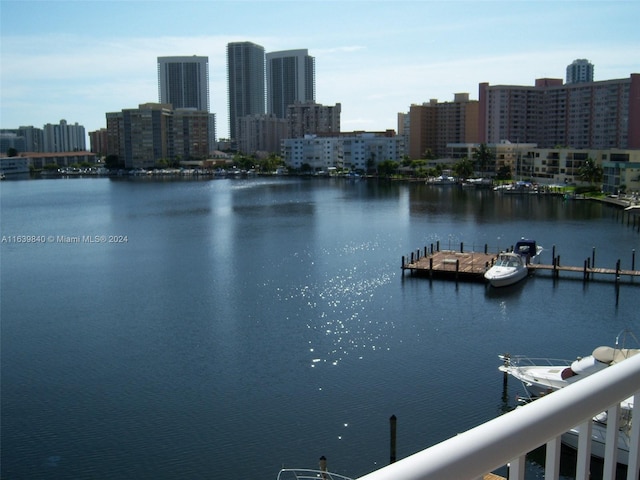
{"x":254,"y":323}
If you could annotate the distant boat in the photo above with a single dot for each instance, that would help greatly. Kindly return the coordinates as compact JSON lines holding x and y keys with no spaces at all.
{"x":441,"y":180}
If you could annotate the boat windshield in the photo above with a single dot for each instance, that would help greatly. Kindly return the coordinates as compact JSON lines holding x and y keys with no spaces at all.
{"x":507,"y":261}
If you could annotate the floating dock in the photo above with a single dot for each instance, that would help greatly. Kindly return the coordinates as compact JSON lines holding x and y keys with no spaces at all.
{"x":471,"y":266}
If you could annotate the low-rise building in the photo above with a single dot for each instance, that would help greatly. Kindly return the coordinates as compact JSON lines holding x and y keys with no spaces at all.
{"x":358,"y":151}
{"x":621,"y":167}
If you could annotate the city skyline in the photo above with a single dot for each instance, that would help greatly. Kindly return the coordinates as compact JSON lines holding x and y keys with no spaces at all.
{"x":375,"y":58}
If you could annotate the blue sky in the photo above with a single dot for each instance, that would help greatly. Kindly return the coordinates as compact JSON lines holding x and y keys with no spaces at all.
{"x":77,"y":60}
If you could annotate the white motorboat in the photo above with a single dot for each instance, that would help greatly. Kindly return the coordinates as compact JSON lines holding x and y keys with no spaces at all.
{"x":511,"y":267}
{"x":544,"y":375}
{"x":508,"y":269}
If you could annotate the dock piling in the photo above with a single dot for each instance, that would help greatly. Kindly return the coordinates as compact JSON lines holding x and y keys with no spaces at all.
{"x":393,"y":421}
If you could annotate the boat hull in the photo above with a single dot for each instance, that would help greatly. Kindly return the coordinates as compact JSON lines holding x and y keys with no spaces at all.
{"x":503,"y":277}
{"x":598,"y":441}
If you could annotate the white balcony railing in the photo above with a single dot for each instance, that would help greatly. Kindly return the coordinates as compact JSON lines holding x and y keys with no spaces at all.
{"x":508,"y":438}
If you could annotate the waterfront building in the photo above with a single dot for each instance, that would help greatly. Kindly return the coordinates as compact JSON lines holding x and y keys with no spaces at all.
{"x":39,"y":160}
{"x":290,"y":79}
{"x":63,"y":137}
{"x":145,"y":132}
{"x":597,"y":115}
{"x":14,"y":165}
{"x":559,"y":165}
{"x":11,"y":139}
{"x":154,"y":134}
{"x":516,"y":157}
{"x":310,"y":118}
{"x":435,"y":124}
{"x":183,"y":82}
{"x":98,"y":141}
{"x":621,"y":172}
{"x":356,"y":151}
{"x":261,"y":133}
{"x":404,"y":127}
{"x":245,"y":81}
{"x":188,"y":135}
{"x":580,"y":71}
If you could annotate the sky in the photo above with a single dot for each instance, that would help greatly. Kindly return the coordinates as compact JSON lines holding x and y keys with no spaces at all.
{"x":77,"y":60}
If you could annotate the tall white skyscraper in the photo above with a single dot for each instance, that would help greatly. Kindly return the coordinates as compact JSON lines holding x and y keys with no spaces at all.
{"x":184,"y":82}
{"x":580,"y":71}
{"x":245,"y":77}
{"x":290,"y":79}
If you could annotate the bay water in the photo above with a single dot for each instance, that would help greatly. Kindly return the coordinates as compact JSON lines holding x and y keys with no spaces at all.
{"x":223,"y":329}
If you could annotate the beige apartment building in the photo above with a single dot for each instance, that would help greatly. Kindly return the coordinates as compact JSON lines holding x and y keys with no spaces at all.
{"x":146,"y":136}
{"x":434,"y":125}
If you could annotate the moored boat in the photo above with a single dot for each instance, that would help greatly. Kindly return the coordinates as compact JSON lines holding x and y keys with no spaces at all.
{"x":540,"y":376}
{"x":508,"y":269}
{"x":599,"y":436}
{"x":511,"y":267}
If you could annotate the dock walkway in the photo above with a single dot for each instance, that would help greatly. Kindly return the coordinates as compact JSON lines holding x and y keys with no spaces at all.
{"x":452,"y":264}
{"x":471,"y":266}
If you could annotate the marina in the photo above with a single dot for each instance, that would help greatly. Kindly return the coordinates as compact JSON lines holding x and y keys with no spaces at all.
{"x":253,"y":324}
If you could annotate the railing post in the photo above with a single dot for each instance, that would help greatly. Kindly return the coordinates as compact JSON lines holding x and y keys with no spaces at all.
{"x":584,"y":451}
{"x":552,"y":460}
{"x":516,"y":468}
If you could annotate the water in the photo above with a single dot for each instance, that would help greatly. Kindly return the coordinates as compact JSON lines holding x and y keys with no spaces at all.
{"x":238,"y":326}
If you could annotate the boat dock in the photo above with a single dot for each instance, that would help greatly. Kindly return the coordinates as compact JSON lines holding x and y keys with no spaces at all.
{"x":471,"y":266}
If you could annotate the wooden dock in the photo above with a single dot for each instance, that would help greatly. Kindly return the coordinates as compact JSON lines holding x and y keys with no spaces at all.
{"x":468,"y":266}
{"x":471,"y":266}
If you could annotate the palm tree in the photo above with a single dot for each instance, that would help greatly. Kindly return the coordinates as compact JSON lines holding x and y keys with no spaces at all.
{"x":483,"y":157}
{"x":590,"y":171}
{"x":463,"y":168}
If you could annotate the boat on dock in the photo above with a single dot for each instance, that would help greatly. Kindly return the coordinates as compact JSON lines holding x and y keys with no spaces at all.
{"x":512,"y":267}
{"x":509,"y":269}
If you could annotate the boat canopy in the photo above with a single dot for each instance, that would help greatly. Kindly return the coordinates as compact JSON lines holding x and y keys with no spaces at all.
{"x":610,"y":355}
{"x":526,"y":247}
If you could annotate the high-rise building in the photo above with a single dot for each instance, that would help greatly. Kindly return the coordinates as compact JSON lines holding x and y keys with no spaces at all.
{"x":183,"y":82}
{"x":604,"y":114}
{"x":245,"y":81}
{"x":290,"y":79}
{"x":310,"y":118}
{"x":580,"y":71}
{"x":64,"y":137}
{"x":154,"y":134}
{"x":261,"y":133}
{"x":434,"y":125}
